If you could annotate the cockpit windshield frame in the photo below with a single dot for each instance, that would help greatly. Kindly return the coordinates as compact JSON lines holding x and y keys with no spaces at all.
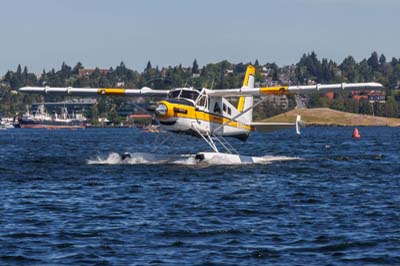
{"x":184,"y":94}
{"x":174,"y":94}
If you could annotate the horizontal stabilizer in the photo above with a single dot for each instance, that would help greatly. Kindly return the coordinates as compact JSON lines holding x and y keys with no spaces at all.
{"x":269,"y":127}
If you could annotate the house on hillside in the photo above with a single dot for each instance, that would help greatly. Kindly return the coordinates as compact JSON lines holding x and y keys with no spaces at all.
{"x":371,"y":96}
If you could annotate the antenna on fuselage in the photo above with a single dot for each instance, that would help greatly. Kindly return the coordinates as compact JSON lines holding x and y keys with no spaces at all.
{"x":212,"y":84}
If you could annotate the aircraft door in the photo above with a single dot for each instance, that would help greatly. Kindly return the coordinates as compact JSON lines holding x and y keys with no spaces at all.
{"x":201,"y":109}
{"x":202,"y":102}
{"x":215,"y":110}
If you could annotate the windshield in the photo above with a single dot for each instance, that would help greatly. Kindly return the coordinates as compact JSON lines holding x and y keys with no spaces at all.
{"x":174,"y":94}
{"x":184,"y":94}
{"x":192,"y":95}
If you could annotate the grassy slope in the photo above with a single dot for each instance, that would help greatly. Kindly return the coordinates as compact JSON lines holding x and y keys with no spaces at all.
{"x":329,"y":117}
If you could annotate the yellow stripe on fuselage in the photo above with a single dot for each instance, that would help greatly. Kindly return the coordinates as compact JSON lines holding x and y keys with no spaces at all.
{"x":111,"y":91}
{"x":192,"y":113}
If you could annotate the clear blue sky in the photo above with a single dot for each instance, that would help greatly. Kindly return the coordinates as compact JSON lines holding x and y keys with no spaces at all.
{"x":43,"y":33}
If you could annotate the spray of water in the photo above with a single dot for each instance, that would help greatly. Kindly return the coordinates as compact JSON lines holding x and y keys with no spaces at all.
{"x":185,"y":159}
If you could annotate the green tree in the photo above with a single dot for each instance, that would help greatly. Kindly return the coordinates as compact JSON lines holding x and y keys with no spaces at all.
{"x":314,"y":101}
{"x":25,"y":72}
{"x":365,"y":71}
{"x":382,"y":60}
{"x":148,"y":67}
{"x":391,"y":107}
{"x":338,"y":104}
{"x":65,"y":71}
{"x":19,"y":69}
{"x":113,"y":116}
{"x":373,"y":61}
{"x":349,"y":69}
{"x":76,"y":68}
{"x":365,"y":107}
{"x":308,"y":68}
{"x":195,"y":67}
{"x":94,"y":115}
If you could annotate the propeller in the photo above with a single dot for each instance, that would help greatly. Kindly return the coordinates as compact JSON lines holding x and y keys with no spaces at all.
{"x":151,"y":108}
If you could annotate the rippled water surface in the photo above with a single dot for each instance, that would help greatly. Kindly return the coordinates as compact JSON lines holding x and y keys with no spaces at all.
{"x":338,"y":205}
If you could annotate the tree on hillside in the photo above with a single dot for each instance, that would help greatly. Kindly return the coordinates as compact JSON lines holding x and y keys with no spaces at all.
{"x":308,"y":68}
{"x":382,"y":60}
{"x":391,"y":108}
{"x":25,"y":72}
{"x":349,"y":69}
{"x":327,"y":71}
{"x":365,"y":107}
{"x":195,"y":67}
{"x":148,"y":67}
{"x":76,"y":68}
{"x":19,"y":69}
{"x":65,"y":71}
{"x":373,"y":61}
{"x":365,"y":71}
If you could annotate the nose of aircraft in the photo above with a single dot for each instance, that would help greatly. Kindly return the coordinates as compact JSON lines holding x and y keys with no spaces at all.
{"x":161,"y":109}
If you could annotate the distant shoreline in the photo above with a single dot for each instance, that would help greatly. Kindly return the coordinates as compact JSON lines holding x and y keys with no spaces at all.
{"x":329,"y":117}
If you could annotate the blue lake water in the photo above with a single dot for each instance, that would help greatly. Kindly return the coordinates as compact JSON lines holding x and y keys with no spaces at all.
{"x":338,"y":205}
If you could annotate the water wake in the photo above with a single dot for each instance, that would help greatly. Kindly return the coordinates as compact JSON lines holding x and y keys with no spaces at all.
{"x":206,"y":158}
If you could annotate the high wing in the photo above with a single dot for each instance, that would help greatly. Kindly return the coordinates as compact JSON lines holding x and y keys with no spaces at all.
{"x":302,"y":89}
{"x":244,"y":91}
{"x":145,"y":91}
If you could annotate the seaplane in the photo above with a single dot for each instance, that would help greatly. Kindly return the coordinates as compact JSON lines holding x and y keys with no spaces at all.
{"x":208,"y":113}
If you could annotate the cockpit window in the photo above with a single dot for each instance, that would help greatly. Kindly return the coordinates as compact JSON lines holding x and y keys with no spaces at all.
{"x":192,"y":95}
{"x":184,"y":94}
{"x":173,"y":94}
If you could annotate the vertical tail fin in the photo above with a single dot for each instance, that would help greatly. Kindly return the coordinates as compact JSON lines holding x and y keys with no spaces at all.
{"x":247,"y":102}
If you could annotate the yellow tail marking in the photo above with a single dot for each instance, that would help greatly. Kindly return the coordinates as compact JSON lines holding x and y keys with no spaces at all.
{"x":250,"y":71}
{"x":111,"y":91}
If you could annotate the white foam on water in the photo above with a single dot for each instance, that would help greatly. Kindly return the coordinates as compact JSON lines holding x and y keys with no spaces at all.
{"x":186,"y":159}
{"x":143,"y":158}
{"x":234,"y":159}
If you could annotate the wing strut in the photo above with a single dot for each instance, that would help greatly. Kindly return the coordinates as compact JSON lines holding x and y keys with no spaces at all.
{"x":239,"y":115}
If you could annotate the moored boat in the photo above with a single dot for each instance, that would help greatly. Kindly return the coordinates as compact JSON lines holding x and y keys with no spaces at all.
{"x":7,"y":123}
{"x":41,"y":119}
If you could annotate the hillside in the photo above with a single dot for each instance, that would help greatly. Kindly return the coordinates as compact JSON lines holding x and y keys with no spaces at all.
{"x":329,"y":117}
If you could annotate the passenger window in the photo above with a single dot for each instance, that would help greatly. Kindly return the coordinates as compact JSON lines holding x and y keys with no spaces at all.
{"x":229,"y":111}
{"x":217,"y":109}
{"x":224,"y":107}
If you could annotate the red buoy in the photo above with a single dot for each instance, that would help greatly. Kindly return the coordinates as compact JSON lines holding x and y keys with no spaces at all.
{"x":356,"y":135}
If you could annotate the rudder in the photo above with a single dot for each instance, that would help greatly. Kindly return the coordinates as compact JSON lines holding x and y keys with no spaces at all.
{"x":246,"y":102}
